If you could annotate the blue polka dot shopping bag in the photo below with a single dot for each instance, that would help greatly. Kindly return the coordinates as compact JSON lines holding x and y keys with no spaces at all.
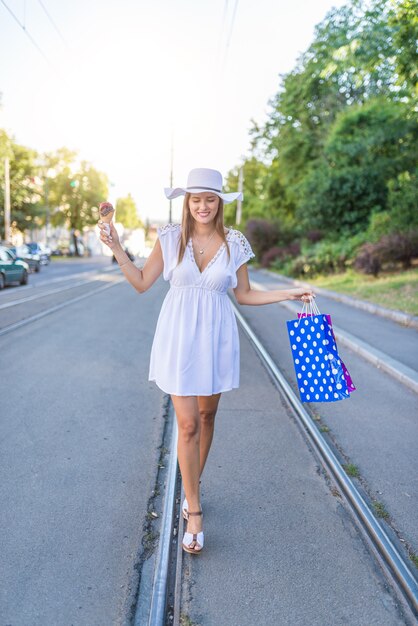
{"x":319,"y":369}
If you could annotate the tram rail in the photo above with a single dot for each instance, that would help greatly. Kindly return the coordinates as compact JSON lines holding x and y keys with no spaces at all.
{"x":168,"y":565}
{"x":396,"y":568}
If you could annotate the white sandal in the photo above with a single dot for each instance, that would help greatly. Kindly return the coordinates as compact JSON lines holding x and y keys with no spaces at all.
{"x":191,"y":540}
{"x":185,"y":507}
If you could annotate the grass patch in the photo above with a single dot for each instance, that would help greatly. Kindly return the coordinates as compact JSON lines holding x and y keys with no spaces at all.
{"x":414,"y":558}
{"x":380,"y":510}
{"x":324,"y":429}
{"x":186,"y":621}
{"x":351,"y":470}
{"x":394,"y":291}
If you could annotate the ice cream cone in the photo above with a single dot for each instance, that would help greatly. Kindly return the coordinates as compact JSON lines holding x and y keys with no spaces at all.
{"x":106,"y":212}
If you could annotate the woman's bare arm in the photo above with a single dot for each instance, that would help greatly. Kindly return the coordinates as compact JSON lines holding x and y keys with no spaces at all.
{"x":245,"y":295}
{"x":140,"y":279}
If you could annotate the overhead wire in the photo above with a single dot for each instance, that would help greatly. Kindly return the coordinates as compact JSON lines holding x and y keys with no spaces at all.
{"x":229,"y":36}
{"x":52,"y":21}
{"x":232,"y":23}
{"x":27,"y":33}
{"x":221,"y":32}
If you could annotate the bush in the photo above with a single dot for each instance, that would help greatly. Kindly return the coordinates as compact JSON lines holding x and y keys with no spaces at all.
{"x":399,"y":247}
{"x":369,"y":259}
{"x":393,"y":248}
{"x":280,"y":254}
{"x":271,"y":255}
{"x":380,"y":224}
{"x":402,"y":202}
{"x":314,"y":236}
{"x":304,"y":266}
{"x":262,"y":235}
{"x":335,"y":256}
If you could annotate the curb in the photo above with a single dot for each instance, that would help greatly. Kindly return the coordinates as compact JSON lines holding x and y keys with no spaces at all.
{"x":405,"y":319}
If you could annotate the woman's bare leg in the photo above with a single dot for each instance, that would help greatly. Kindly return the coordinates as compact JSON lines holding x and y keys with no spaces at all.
{"x":208,"y":406}
{"x":188,"y":452}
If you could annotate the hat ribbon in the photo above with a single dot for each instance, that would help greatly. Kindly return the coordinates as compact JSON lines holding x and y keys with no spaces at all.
{"x":201,"y":187}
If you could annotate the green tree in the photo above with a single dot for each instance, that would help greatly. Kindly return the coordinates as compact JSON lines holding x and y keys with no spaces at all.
{"x":25,"y":186}
{"x":402,"y":202}
{"x":367,"y":146}
{"x":404,"y":21}
{"x":126,"y":212}
{"x":254,"y":173}
{"x":352,"y":60}
{"x":76,"y":193}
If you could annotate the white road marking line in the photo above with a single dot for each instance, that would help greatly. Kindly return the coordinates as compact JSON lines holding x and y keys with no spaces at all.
{"x":38,"y":316}
{"x":92,"y":278}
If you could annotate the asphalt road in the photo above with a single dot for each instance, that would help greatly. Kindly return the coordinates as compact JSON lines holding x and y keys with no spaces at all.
{"x":67,"y":267}
{"x":81,"y":426}
{"x":80,"y":431}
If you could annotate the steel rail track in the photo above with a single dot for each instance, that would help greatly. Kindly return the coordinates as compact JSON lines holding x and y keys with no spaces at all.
{"x":397,"y":567}
{"x":157,"y":614}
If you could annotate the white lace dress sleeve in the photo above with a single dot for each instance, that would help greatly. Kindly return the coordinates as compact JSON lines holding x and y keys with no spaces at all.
{"x":169,"y":237}
{"x":243,"y":250}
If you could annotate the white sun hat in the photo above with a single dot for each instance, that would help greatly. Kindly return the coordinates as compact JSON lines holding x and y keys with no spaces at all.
{"x":203,"y":179}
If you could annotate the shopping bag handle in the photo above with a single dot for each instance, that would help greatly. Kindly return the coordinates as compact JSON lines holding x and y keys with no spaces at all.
{"x":309,"y":307}
{"x":313,"y":306}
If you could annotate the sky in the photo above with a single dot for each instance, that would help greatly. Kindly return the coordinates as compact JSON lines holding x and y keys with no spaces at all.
{"x":121,"y":82}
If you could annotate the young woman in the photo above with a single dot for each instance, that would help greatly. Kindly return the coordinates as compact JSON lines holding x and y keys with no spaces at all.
{"x":195,"y":352}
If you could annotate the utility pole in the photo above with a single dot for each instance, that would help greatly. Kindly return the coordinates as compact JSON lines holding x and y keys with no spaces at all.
{"x":6,"y":199}
{"x":46,"y":193}
{"x":171,"y":176}
{"x":239,"y":202}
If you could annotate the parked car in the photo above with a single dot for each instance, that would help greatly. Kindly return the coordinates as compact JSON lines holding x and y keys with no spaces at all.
{"x":12,"y":269}
{"x":59,"y":252}
{"x":24,"y":252}
{"x":40,"y":250}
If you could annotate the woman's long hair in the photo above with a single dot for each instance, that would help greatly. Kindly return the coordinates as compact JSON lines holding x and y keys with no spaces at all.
{"x":187,"y":226}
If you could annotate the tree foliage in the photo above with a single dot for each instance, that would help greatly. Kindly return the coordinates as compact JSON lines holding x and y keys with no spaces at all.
{"x":366,"y":147}
{"x":254,"y":172}
{"x":25,"y":185}
{"x":76,"y":192}
{"x":404,"y":21}
{"x":126,"y":212}
{"x":54,"y":186}
{"x":342,"y":126}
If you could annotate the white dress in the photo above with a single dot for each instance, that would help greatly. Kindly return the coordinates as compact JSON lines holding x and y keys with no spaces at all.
{"x":195,"y":351}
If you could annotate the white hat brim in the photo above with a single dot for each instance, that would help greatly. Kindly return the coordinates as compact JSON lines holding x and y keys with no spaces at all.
{"x":175,"y":192}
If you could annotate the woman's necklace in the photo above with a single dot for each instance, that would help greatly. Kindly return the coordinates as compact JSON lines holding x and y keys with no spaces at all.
{"x":201,"y":250}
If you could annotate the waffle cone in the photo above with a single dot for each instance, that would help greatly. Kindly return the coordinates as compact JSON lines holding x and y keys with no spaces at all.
{"x":106,"y":212}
